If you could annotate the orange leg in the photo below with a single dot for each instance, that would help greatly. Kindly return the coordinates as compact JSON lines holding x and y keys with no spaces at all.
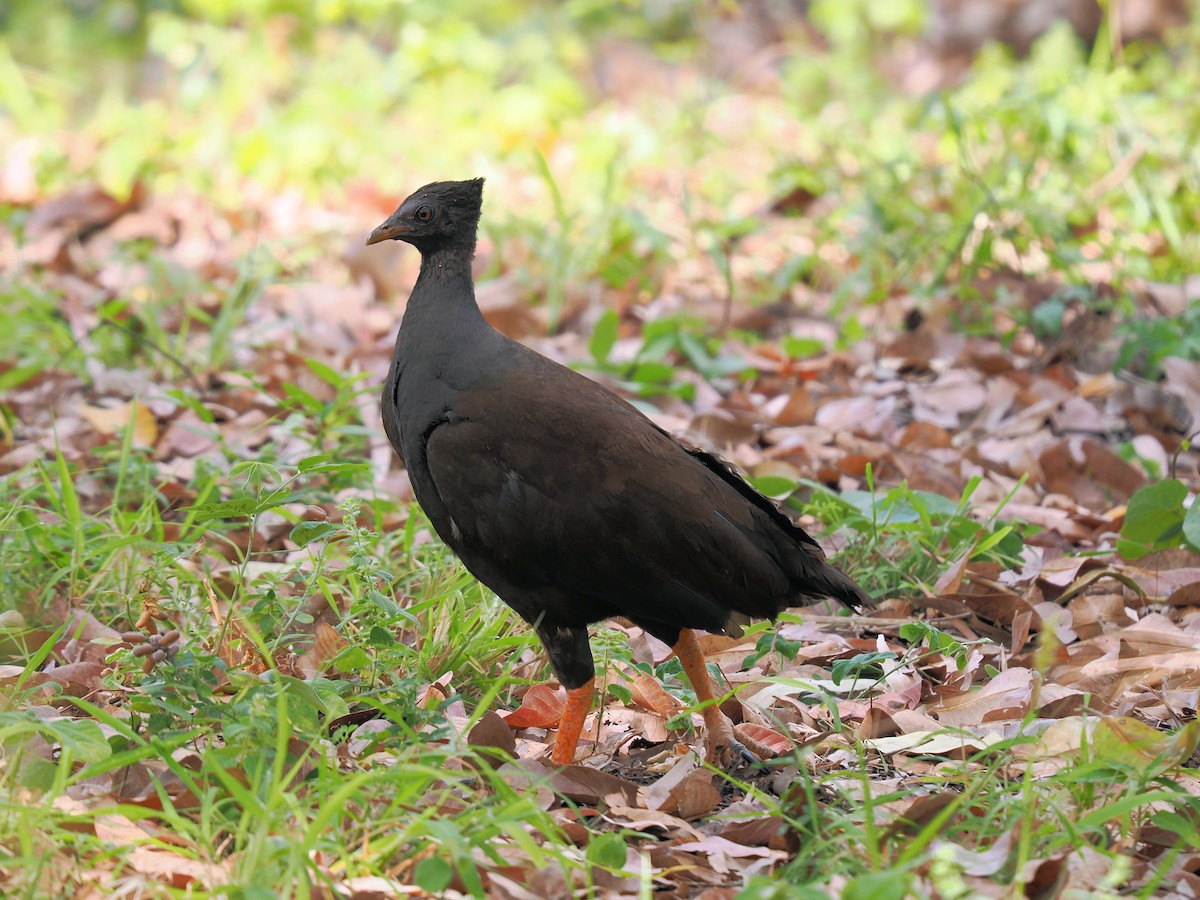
{"x":723,"y":747}
{"x":579,"y":704}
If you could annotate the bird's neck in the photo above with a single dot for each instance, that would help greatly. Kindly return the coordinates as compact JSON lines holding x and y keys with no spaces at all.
{"x":445,"y":291}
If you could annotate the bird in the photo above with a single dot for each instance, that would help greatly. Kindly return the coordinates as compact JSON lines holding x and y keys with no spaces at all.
{"x":564,"y":499}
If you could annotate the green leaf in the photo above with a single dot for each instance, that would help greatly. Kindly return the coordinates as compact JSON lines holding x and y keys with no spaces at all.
{"x":652,"y":373}
{"x":303,"y":704}
{"x":785,"y":648}
{"x":226,"y":509}
{"x":82,"y":737}
{"x":606,"y":850}
{"x":307,"y":532}
{"x":867,"y":664}
{"x":326,"y":373}
{"x":887,"y":885}
{"x":1191,"y":525}
{"x":1153,"y":519}
{"x":310,"y":462}
{"x":620,"y":692}
{"x":1047,"y":317}
{"x":331,"y":701}
{"x":604,"y":336}
{"x":802,"y":347}
{"x":380,"y":637}
{"x":761,"y":648}
{"x":351,"y":659}
{"x":433,"y":874}
{"x":339,"y":466}
{"x":244,"y":506}
{"x":324,"y":462}
{"x":774,"y":486}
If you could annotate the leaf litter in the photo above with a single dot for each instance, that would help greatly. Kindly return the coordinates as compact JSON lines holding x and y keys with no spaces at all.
{"x":1072,"y":653}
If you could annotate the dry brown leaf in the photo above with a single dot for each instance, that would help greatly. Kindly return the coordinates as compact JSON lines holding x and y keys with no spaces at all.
{"x":81,"y":679}
{"x":716,"y":844}
{"x":759,"y":831}
{"x":956,"y":745}
{"x":579,"y":783}
{"x":650,"y":820}
{"x":493,"y":732}
{"x":1092,"y":614}
{"x":541,"y":707}
{"x":1044,"y":879}
{"x":114,"y":420}
{"x":79,"y":211}
{"x":922,"y":812}
{"x":1011,"y":689}
{"x":693,"y":797}
{"x":649,"y":694}
{"x":989,"y":860}
{"x":951,"y":579}
{"x":876,"y":724}
{"x":327,"y":644}
{"x":762,"y":741}
{"x":114,"y":828}
{"x":658,"y":796}
{"x":1187,"y":595}
{"x":922,"y":436}
{"x":187,"y":435}
{"x":174,"y":869}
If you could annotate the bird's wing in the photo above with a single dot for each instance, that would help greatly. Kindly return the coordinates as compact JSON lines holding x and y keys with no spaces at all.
{"x":590,"y":500}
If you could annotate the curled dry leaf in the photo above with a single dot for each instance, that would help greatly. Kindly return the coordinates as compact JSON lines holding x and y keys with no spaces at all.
{"x":651,"y":820}
{"x":649,"y":693}
{"x":541,"y":707}
{"x":762,"y":741}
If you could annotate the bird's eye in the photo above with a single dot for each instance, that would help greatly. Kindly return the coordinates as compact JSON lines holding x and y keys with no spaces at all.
{"x":424,"y":214}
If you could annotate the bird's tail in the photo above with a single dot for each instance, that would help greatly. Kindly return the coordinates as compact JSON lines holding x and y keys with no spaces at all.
{"x":830,"y":582}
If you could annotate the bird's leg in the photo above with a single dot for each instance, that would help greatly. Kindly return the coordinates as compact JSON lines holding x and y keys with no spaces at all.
{"x":722,"y":747}
{"x":579,"y":704}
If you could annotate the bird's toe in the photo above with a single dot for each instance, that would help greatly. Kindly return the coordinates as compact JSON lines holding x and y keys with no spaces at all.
{"x":725,"y":751}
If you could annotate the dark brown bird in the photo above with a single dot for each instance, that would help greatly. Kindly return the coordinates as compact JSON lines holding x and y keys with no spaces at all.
{"x":563,"y":498}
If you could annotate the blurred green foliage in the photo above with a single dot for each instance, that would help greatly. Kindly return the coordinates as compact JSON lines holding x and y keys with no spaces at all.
{"x":1071,"y":164}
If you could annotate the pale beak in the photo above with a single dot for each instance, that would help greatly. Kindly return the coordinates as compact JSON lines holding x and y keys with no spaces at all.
{"x":387,"y":231}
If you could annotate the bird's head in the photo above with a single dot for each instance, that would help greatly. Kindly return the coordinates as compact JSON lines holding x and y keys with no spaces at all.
{"x":442,"y":214}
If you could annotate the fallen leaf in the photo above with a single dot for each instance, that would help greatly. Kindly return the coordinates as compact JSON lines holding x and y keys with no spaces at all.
{"x":541,"y":707}
{"x":716,"y":844}
{"x":115,"y":419}
{"x":649,"y":693}
{"x":492,"y":732}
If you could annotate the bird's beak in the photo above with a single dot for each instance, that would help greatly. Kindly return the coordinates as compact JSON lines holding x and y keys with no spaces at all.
{"x":386,"y":232}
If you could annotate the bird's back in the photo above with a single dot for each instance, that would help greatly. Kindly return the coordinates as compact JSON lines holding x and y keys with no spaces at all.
{"x":571,"y":504}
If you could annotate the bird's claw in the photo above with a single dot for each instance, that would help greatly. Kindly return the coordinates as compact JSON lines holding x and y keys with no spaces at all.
{"x":747,"y":757}
{"x":730,"y":753}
